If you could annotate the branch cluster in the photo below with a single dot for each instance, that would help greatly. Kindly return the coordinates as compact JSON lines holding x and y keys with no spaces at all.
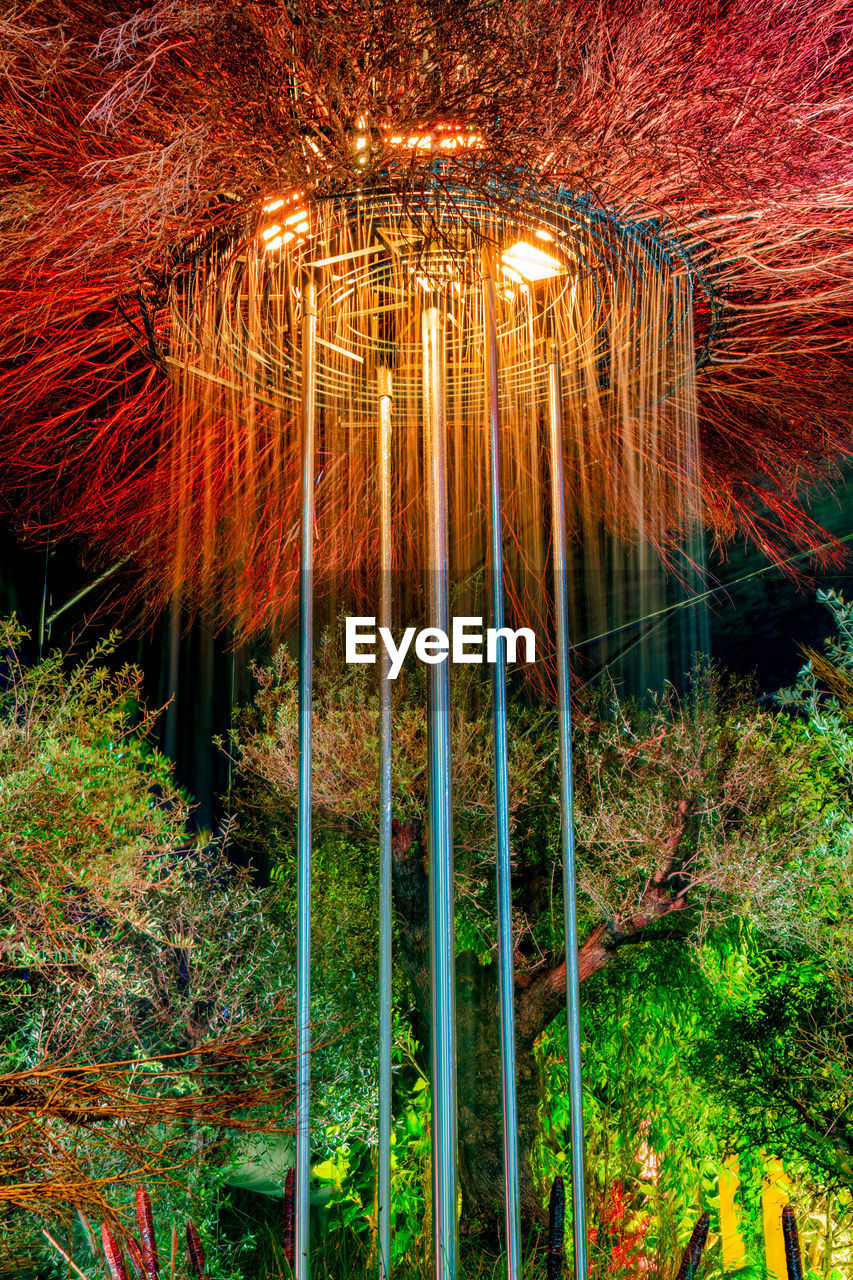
{"x":124,"y":137}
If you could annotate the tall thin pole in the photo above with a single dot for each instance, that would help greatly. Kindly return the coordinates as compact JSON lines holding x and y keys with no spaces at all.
{"x":170,"y":743}
{"x":303,"y":839}
{"x":439,"y":811}
{"x":384,"y":1170}
{"x":43,"y":609}
{"x":558,"y":529}
{"x":505,"y":947}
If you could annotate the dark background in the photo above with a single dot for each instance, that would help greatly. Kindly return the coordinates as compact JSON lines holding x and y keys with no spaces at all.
{"x":759,"y":619}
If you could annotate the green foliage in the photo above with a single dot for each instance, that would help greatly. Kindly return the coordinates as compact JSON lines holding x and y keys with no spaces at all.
{"x":653,"y":1148}
{"x":674,"y":1035}
{"x":820,"y":699}
{"x":346,"y":747}
{"x":126,"y":948}
{"x":351,"y":1171}
{"x":114,"y":919}
{"x":745,"y":851}
{"x":775,"y":1033}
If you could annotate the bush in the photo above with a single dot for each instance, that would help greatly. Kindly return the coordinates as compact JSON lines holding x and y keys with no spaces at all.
{"x":145,"y":994}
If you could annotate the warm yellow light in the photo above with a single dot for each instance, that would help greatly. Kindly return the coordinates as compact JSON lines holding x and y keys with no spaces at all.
{"x":526,"y":261}
{"x":512,"y":275}
{"x":273,"y":205}
{"x":271,"y":231}
{"x":277,"y":241}
{"x":542,"y":234}
{"x":296,"y":217}
{"x":428,"y":142}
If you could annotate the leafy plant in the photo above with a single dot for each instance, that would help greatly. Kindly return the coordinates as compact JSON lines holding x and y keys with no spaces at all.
{"x":144,"y":992}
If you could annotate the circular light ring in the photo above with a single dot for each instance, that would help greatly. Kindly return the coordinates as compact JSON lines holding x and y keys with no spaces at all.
{"x":381,"y":254}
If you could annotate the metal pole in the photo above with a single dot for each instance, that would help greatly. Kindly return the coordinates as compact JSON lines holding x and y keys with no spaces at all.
{"x":303,"y":839}
{"x":43,"y":609}
{"x":558,"y":528}
{"x":384,"y":1170}
{"x":505,"y":948}
{"x":440,"y":833}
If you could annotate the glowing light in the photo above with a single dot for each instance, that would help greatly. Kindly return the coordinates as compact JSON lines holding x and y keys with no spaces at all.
{"x":273,"y":205}
{"x":299,"y":217}
{"x":427,"y":142}
{"x":523,"y":261}
{"x":512,"y":275}
{"x":542,"y":234}
{"x":271,"y":231}
{"x":277,"y":240}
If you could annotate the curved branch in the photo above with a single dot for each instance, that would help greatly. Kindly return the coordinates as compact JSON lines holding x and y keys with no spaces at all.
{"x":539,"y":1002}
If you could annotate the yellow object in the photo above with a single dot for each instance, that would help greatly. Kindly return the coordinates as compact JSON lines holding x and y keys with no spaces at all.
{"x":526,"y":262}
{"x":774,"y":1197}
{"x":734,"y":1250}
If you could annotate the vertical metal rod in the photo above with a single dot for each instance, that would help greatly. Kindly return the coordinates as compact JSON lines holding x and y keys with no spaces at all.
{"x":43,"y":609}
{"x":538,"y":535}
{"x":439,"y":811}
{"x":558,"y":529}
{"x":170,"y":741}
{"x":384,"y":1163}
{"x":303,"y":839}
{"x":506,"y":976}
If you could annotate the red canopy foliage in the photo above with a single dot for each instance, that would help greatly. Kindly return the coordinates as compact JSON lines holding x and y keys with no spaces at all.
{"x":123,"y":137}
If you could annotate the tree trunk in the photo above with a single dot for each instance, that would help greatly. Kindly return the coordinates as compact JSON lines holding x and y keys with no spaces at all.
{"x":481,"y":1165}
{"x":538,"y":1000}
